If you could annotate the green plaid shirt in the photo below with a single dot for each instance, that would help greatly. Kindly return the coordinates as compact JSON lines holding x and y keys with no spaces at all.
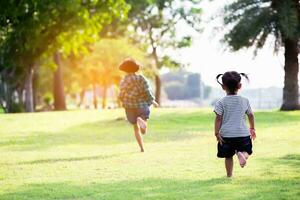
{"x":135,"y":92}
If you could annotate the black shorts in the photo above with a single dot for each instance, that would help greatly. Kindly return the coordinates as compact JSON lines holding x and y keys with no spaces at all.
{"x":231,"y":145}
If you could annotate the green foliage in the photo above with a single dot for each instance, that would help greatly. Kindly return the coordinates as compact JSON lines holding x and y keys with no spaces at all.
{"x":93,"y":155}
{"x":167,"y":61}
{"x":100,"y":65}
{"x":252,"y":21}
{"x":154,"y":23}
{"x":33,"y":29}
{"x":16,"y":108}
{"x":48,"y":98}
{"x":289,"y":19}
{"x":185,"y":42}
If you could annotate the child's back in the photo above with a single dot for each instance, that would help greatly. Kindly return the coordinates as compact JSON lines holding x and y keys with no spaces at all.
{"x":135,"y":91}
{"x":233,"y":109}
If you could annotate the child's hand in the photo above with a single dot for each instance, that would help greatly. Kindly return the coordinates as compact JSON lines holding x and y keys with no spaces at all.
{"x":155,"y":103}
{"x":252,"y":134}
{"x":219,"y":138}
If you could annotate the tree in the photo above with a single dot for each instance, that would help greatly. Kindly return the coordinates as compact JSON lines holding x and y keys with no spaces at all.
{"x":100,"y":66}
{"x":154,"y":24}
{"x":252,"y":21}
{"x":58,"y":85}
{"x":29,"y":29}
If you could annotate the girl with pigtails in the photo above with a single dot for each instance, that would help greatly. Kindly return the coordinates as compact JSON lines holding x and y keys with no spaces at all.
{"x":231,"y":130}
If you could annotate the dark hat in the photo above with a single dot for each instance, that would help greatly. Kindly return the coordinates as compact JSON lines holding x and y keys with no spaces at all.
{"x":129,"y":65}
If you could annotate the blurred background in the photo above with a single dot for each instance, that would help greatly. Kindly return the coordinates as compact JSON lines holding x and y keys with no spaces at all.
{"x":59,"y":55}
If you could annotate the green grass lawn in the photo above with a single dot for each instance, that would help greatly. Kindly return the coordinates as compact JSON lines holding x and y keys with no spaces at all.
{"x":93,"y":155}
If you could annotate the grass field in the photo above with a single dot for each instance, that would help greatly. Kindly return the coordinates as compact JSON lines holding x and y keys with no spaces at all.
{"x":93,"y":155}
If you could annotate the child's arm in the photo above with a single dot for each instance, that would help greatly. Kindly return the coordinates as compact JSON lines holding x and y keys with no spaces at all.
{"x":147,"y":89}
{"x":155,"y":103}
{"x":218,"y":122}
{"x":252,"y":126}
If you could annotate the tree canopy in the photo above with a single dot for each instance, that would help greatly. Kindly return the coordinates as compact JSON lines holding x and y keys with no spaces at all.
{"x":251,"y":22}
{"x":31,"y":28}
{"x":155,"y":23}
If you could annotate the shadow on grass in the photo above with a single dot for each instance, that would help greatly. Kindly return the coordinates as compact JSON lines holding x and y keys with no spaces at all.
{"x":279,"y":166}
{"x":164,"y":126}
{"x":72,"y":159}
{"x":99,"y":133}
{"x":163,"y":189}
{"x":106,"y":132}
{"x":290,"y":159}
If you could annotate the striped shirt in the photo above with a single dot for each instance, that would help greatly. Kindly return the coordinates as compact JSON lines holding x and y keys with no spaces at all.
{"x":135,"y":92}
{"x":233,"y":109}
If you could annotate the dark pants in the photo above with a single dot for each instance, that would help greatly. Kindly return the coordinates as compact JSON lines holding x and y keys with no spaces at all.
{"x":133,"y":113}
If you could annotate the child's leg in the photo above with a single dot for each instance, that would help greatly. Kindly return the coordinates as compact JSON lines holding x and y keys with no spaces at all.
{"x":229,"y":166}
{"x":142,"y":124}
{"x":244,"y":149}
{"x":143,"y":115}
{"x":138,"y":136}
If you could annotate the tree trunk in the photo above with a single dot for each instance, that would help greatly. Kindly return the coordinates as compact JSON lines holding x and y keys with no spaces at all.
{"x":7,"y":98}
{"x":29,"y":107}
{"x":157,"y":77}
{"x":118,"y":101}
{"x":157,"y":88}
{"x":58,"y":85}
{"x":34,"y":87}
{"x":291,"y":69}
{"x":95,"y":102}
{"x":81,"y":96}
{"x":104,"y":91}
{"x":20,"y":92}
{"x":2,"y":93}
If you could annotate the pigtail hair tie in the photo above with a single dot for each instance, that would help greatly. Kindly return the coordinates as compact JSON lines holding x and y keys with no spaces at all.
{"x":218,"y":76}
{"x":245,"y":75}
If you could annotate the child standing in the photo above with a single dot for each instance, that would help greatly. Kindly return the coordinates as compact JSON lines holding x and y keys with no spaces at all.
{"x":231,"y":131}
{"x":136,"y":97}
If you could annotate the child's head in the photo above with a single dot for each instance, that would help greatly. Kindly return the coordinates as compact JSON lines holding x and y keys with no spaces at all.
{"x":129,"y":65}
{"x":231,"y":81}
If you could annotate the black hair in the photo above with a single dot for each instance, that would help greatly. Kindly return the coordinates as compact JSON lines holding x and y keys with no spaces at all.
{"x":231,"y":80}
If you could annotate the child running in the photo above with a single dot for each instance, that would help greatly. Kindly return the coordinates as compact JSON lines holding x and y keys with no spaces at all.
{"x":231,"y":131}
{"x":136,"y":97}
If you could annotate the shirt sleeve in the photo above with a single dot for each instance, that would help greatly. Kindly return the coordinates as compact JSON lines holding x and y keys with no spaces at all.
{"x":147,"y":89}
{"x":248,"y":109}
{"x":219,"y":108}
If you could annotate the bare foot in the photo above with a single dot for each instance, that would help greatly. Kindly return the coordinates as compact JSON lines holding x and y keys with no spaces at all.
{"x":143,"y":131}
{"x":246,"y":155}
{"x":242,"y":159}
